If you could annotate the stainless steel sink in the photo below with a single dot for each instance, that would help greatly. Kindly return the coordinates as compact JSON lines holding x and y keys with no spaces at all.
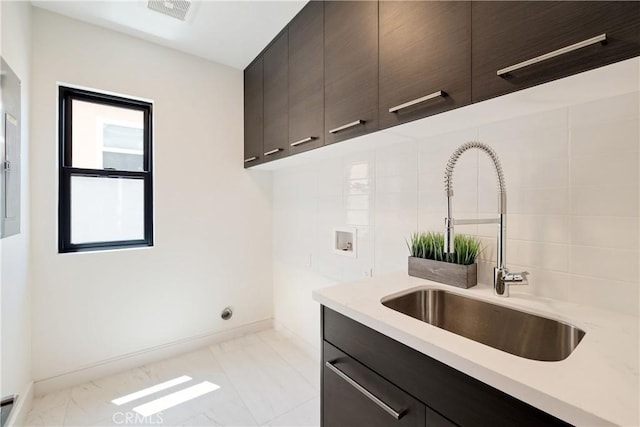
{"x":522,"y":334}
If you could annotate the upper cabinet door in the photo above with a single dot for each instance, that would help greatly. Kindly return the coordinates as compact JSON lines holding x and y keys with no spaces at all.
{"x":253,"y":113}
{"x":351,"y":69}
{"x":524,"y":43}
{"x":306,"y":78}
{"x":276,"y":98}
{"x":425,"y":59}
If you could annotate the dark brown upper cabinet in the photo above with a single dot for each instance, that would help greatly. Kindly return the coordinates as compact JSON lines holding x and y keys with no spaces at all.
{"x":351,"y":69}
{"x":342,"y":69}
{"x":425,"y":59}
{"x":276,"y":98}
{"x":524,"y":43}
{"x":253,"y":113}
{"x":306,"y":79}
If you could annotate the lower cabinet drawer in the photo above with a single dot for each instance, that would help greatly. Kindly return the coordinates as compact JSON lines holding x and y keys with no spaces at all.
{"x":462,"y":399}
{"x":353,"y":395}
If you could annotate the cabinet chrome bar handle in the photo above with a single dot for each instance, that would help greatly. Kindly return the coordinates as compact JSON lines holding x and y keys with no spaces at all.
{"x":593,"y":40}
{"x":250,"y":159}
{"x":388,"y":409}
{"x":417,"y":101}
{"x":302,"y":141}
{"x":277,"y":150}
{"x":347,"y":126}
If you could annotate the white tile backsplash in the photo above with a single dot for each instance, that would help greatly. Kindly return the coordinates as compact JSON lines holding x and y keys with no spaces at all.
{"x":358,"y":186}
{"x":572,"y":177}
{"x":526,"y":127}
{"x":397,"y":184}
{"x":619,"y":136}
{"x":605,"y":110}
{"x":548,"y":256}
{"x":605,"y":293}
{"x":618,"y":168}
{"x":397,"y":160}
{"x":359,"y":217}
{"x":539,"y":228}
{"x":358,"y":202}
{"x":329,"y":178}
{"x":539,"y":201}
{"x":604,"y":200}
{"x":605,"y":231}
{"x":605,"y":263}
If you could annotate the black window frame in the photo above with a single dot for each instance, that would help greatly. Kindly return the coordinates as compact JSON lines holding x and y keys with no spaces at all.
{"x":65,"y":99}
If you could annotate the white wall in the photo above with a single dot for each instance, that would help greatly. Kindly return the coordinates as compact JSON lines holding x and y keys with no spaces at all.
{"x":212,"y":218}
{"x":15,"y":370}
{"x":572,"y":183}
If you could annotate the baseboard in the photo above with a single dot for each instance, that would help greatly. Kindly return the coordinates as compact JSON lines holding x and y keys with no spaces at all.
{"x":308,"y":348}
{"x":22,"y":407}
{"x":143,"y":357}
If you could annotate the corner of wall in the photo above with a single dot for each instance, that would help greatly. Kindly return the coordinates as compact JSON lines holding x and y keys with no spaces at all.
{"x":15,"y":284}
{"x":19,"y":414}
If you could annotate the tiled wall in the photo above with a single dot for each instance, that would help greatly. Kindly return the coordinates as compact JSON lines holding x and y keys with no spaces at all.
{"x":572,"y":184}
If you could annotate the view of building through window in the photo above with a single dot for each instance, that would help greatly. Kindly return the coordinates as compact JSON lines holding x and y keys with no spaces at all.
{"x":122,"y":147}
{"x":107,"y":137}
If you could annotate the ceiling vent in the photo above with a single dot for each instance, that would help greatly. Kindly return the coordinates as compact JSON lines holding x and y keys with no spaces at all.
{"x":175,"y":8}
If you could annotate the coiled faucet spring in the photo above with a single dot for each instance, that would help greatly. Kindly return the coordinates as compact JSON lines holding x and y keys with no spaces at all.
{"x":501,"y":276}
{"x":448,"y":175}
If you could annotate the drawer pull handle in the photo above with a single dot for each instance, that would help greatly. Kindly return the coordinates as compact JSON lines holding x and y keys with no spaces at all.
{"x":302,"y":141}
{"x":602,"y":38}
{"x":277,"y":150}
{"x":388,"y":409}
{"x":250,"y":159}
{"x":417,"y":101}
{"x":347,"y":126}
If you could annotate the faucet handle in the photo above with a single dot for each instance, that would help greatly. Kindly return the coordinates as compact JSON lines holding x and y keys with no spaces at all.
{"x":502,"y":279}
{"x":516,"y":278}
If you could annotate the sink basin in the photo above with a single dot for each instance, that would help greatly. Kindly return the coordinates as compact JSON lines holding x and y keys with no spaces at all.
{"x":522,"y":334}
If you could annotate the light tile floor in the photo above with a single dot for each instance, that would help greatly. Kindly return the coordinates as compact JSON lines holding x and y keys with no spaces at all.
{"x":264,"y":380}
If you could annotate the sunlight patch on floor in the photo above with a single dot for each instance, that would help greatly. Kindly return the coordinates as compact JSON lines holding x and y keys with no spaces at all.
{"x":150,"y":390}
{"x":176,"y":398}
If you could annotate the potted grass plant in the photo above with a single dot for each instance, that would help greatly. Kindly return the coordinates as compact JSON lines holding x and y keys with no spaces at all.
{"x":427,"y":259}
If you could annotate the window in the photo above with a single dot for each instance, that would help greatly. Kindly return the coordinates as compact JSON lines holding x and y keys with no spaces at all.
{"x":121,"y":146}
{"x":105,"y":172}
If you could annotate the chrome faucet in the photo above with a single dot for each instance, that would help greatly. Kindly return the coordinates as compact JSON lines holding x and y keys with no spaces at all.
{"x":501,"y":276}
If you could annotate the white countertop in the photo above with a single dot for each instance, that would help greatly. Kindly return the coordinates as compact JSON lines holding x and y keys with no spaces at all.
{"x":598,"y":384}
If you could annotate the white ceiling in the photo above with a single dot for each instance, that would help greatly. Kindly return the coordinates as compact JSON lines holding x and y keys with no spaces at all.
{"x":228,"y":32}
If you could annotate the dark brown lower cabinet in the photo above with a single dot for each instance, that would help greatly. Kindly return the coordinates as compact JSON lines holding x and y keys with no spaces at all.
{"x":369,"y":379}
{"x":354,"y":395}
{"x":371,"y":400}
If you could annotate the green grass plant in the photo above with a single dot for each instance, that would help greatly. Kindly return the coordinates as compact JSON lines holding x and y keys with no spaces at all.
{"x":430,"y":245}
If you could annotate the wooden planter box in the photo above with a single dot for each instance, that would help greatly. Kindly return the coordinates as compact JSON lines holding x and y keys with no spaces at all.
{"x":462,"y":276}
